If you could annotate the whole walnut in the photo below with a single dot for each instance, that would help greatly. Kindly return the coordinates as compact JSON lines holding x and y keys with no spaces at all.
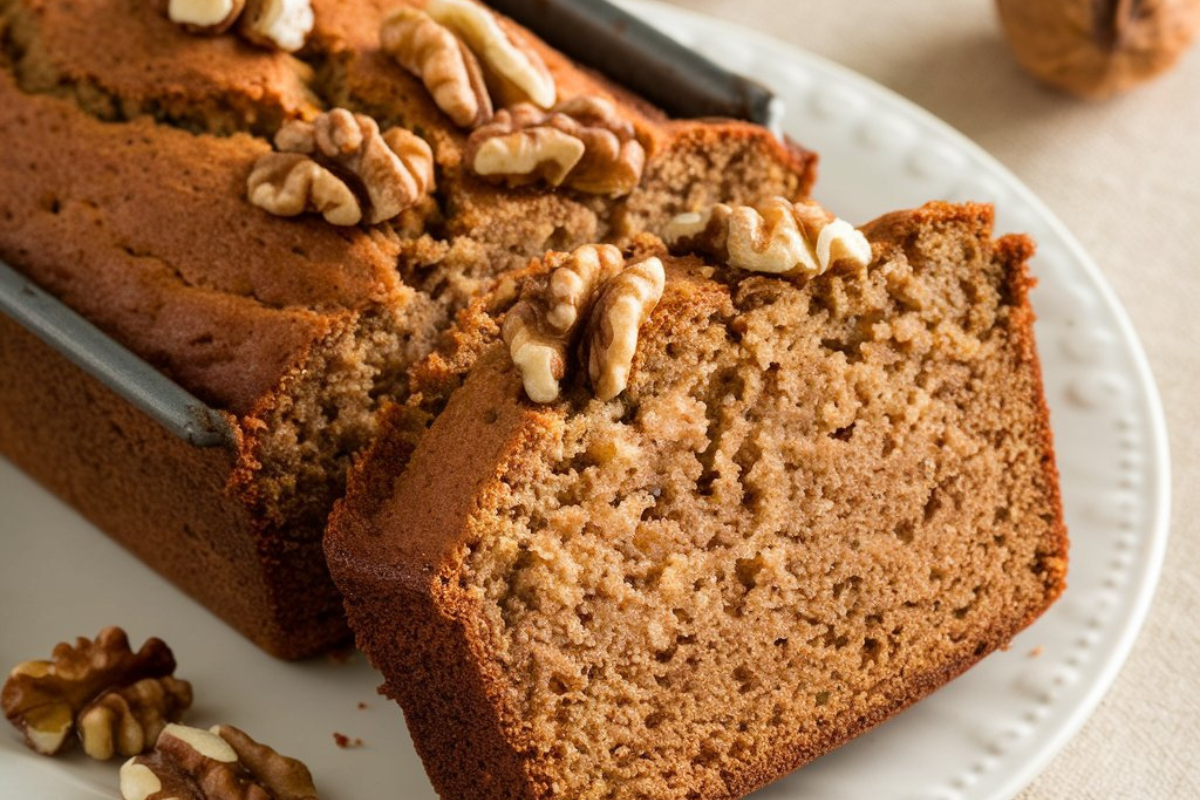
{"x":1097,"y":48}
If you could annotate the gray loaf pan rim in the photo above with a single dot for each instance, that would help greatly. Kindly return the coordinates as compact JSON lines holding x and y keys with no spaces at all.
{"x":107,"y":360}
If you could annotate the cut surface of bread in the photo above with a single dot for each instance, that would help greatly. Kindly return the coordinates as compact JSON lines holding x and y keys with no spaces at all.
{"x":129,"y":143}
{"x":815,"y":503}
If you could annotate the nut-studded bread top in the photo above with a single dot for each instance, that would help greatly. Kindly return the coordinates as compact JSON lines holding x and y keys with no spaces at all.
{"x":145,"y":230}
{"x":815,"y":502}
{"x":130,"y":141}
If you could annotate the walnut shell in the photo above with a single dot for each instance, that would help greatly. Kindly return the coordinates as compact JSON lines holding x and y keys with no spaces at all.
{"x":1097,"y":48}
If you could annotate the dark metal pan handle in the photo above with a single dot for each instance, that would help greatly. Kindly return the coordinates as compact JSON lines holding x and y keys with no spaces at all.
{"x":676,"y":79}
{"x":112,"y":364}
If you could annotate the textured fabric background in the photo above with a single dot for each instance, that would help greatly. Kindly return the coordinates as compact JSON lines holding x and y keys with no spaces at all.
{"x":1124,"y":175}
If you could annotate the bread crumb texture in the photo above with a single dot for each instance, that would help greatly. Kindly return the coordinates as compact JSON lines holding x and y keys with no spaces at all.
{"x":815,"y":503}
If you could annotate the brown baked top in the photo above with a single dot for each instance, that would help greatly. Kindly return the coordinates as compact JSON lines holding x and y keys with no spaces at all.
{"x":122,"y":58}
{"x":144,"y":230}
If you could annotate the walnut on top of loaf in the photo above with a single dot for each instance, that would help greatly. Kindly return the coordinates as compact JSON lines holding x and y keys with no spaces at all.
{"x":591,"y":300}
{"x":779,"y":237}
{"x":273,"y":24}
{"x":340,"y":165}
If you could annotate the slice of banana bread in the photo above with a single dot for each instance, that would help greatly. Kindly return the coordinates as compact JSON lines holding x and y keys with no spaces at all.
{"x":129,"y":141}
{"x":816,"y":502}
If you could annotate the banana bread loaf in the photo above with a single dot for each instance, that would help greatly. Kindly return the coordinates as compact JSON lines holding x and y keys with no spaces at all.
{"x":129,"y":142}
{"x":816,"y":502}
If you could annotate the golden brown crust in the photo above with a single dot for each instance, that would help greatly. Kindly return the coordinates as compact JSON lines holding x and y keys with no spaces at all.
{"x":220,"y":295}
{"x":209,"y":82}
{"x":411,"y":551}
{"x":1016,"y":251}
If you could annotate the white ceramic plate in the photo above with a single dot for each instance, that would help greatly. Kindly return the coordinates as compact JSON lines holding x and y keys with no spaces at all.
{"x":983,"y":737}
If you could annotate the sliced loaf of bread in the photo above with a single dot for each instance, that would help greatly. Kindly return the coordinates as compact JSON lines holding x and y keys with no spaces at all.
{"x":815,"y":503}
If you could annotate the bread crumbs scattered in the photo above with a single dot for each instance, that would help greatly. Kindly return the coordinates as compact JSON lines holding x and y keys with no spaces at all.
{"x":1037,"y":651}
{"x":345,"y":742}
{"x":362,"y":706}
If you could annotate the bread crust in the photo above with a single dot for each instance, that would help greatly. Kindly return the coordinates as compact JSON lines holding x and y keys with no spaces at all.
{"x":161,"y":498}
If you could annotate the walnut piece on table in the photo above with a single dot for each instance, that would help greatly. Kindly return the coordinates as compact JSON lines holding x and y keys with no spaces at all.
{"x":115,"y":698}
{"x":128,"y":720}
{"x":222,"y":763}
{"x":287,"y":184}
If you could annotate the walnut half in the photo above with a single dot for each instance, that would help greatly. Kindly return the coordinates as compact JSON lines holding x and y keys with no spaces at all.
{"x":92,"y":686}
{"x":782,"y":238}
{"x":128,"y":720}
{"x":518,"y":73}
{"x":205,"y":16}
{"x":276,"y":24}
{"x":518,"y":148}
{"x":450,"y":71}
{"x":613,"y":157}
{"x":589,"y":294}
{"x":281,"y":24}
{"x":610,"y":339}
{"x":222,"y":763}
{"x":540,"y":329}
{"x":341,"y":166}
{"x":582,"y":143}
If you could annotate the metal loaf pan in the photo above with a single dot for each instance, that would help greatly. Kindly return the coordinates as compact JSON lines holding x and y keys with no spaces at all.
{"x":595,"y":33}
{"x":111,"y":363}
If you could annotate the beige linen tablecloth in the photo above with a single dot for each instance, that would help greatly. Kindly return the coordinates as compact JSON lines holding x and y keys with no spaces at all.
{"x":1124,"y":175}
